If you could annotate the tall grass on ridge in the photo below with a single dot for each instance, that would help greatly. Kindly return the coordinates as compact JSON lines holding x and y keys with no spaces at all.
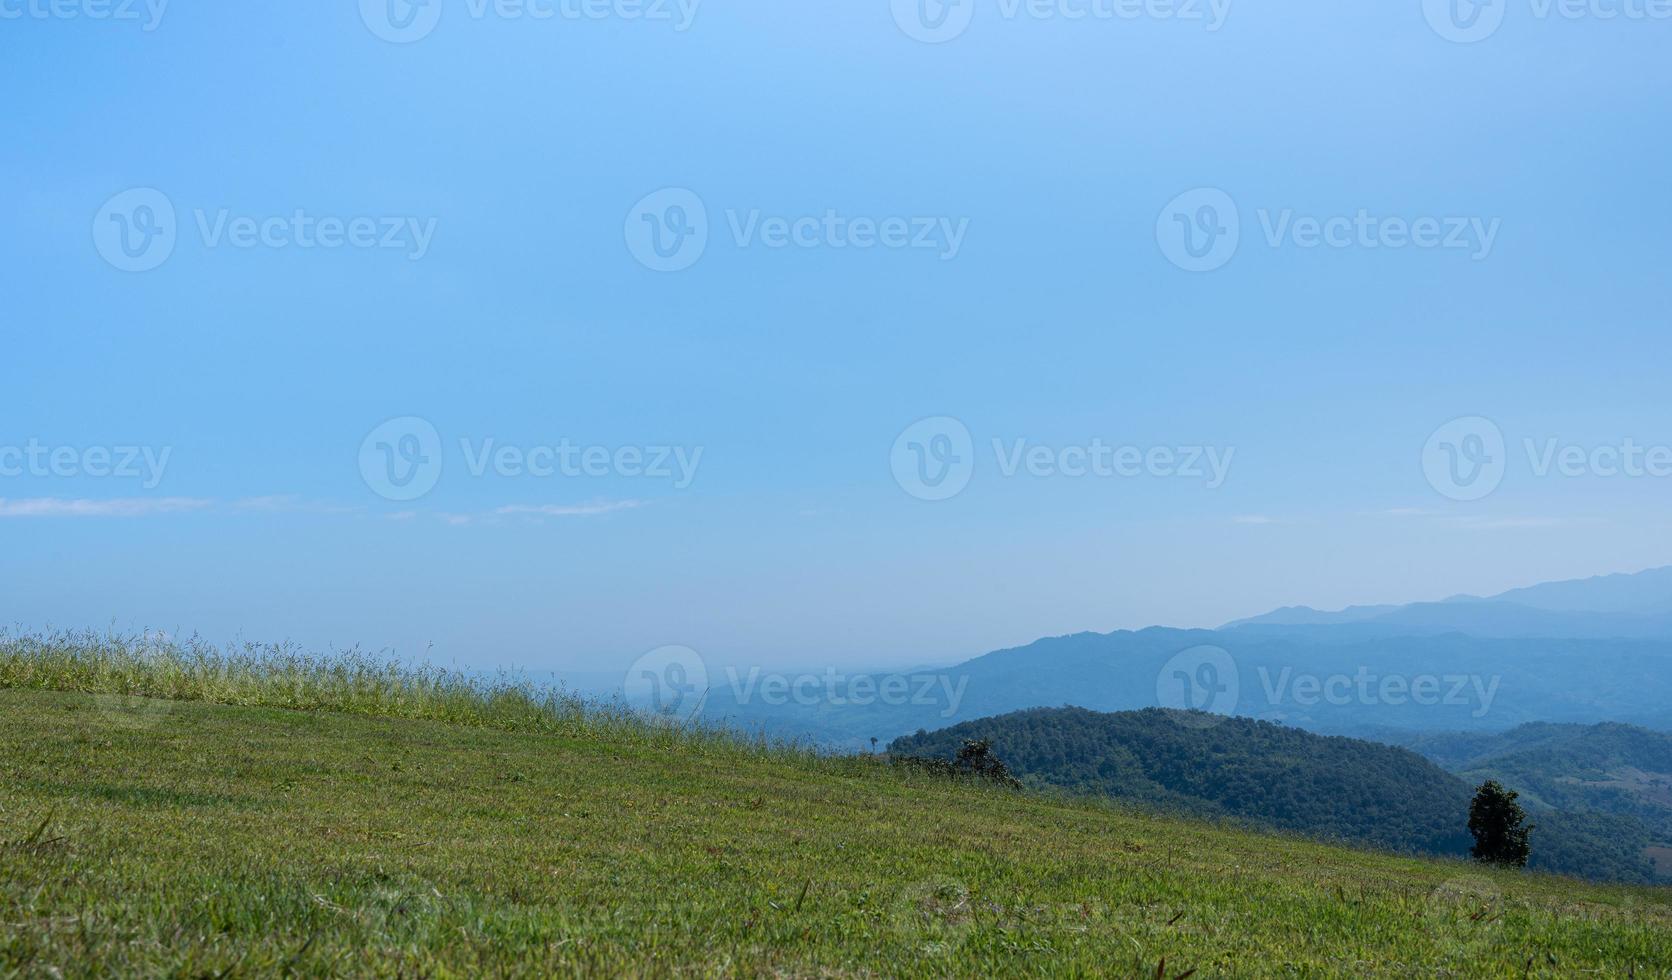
{"x":281,"y":676}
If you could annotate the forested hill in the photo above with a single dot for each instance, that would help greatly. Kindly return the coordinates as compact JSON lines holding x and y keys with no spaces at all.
{"x":1574,"y":748}
{"x":1328,"y":786}
{"x":1614,"y":769}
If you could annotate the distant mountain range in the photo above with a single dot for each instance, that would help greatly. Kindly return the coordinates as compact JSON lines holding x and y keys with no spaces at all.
{"x":1342,"y":788}
{"x":1609,"y":606}
{"x":1579,"y":652}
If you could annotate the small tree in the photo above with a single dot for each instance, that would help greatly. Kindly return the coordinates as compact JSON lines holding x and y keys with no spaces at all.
{"x":1497,"y":822}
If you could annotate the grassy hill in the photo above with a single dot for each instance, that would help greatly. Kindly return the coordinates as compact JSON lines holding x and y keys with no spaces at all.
{"x":423,"y":827}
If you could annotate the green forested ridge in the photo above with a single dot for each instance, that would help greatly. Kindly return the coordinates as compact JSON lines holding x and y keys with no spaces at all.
{"x":1329,"y":786}
{"x":1606,"y":770}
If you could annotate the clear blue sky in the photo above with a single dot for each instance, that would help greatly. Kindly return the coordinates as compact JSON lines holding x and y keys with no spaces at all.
{"x":1054,"y":144}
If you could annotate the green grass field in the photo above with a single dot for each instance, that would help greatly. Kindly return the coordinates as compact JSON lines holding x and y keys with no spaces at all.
{"x":457,"y":834}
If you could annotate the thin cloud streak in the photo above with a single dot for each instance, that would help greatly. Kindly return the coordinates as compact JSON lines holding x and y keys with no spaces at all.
{"x":291,"y":504}
{"x":534,"y":511}
{"x":273,"y":504}
{"x":569,"y":510}
{"x":123,"y":507}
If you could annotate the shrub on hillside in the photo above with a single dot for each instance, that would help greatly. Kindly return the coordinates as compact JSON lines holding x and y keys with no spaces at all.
{"x":975,"y":759}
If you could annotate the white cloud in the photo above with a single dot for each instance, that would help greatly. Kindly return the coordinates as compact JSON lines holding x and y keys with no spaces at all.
{"x":1477,"y":522}
{"x":569,"y":510}
{"x":1504,"y":523}
{"x":287,"y":504}
{"x":291,"y":504}
{"x":124,"y":507}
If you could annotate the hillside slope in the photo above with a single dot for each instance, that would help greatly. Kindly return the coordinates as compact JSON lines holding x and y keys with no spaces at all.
{"x":141,"y":836}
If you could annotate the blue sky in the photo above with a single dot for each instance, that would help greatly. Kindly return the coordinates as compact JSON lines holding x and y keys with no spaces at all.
{"x":521,"y":150}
